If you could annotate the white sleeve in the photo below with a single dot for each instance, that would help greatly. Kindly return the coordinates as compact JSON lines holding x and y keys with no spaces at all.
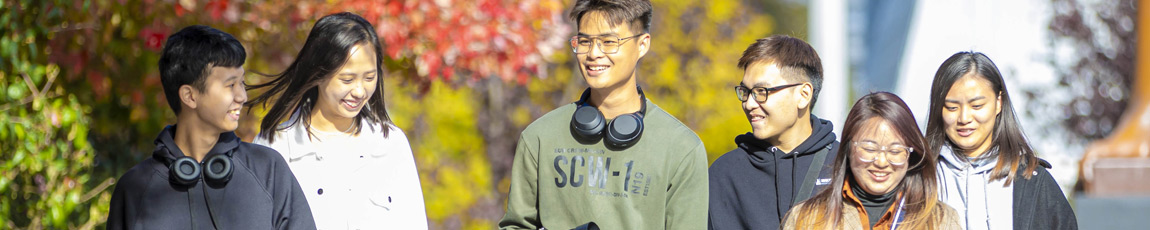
{"x":412,"y":209}
{"x":280,"y":146}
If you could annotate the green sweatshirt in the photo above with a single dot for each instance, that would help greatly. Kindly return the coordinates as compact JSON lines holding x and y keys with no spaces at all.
{"x":559,"y":183}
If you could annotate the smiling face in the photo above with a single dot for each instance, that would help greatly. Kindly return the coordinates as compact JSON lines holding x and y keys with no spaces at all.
{"x":780,"y":112}
{"x":969,"y":112}
{"x":346,"y":92}
{"x":222,"y":99}
{"x":880,"y":176}
{"x":602,"y":70}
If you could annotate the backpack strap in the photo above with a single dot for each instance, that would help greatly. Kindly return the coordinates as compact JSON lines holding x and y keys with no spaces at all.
{"x":812,"y":175}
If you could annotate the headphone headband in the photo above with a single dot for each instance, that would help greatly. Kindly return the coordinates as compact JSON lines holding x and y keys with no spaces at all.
{"x":588,"y":123}
{"x":586,"y":96}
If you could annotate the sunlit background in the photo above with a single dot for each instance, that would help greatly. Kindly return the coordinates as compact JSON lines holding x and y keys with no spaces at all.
{"x":81,"y":101}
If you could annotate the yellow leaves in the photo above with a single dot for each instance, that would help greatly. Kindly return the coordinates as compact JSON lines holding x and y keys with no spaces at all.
{"x":451,"y":189}
{"x":666,"y":73}
{"x":401,"y":106}
{"x":758,"y":26}
{"x":447,"y":193}
{"x":673,"y":7}
{"x":449,"y":150}
{"x":450,"y":114}
{"x":521,"y":117}
{"x":721,"y":10}
{"x":729,"y":122}
{"x":447,"y":117}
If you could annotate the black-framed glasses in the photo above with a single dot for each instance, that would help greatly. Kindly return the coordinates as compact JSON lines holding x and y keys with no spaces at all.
{"x":759,"y":93}
{"x":609,"y":44}
{"x":896,"y":154}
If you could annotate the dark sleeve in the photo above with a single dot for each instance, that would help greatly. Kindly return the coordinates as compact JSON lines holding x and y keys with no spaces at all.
{"x":719,"y":212}
{"x":713,"y":200}
{"x":117,"y":212}
{"x":1059,"y":214}
{"x":125,"y":197}
{"x":292,"y":209}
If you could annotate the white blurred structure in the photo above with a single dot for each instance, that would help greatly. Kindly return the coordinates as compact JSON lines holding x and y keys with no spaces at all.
{"x":1015,"y":35}
{"x":828,"y":28}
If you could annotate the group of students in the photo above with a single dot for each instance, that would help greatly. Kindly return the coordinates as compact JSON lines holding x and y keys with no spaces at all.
{"x":329,"y":157}
{"x":972,"y":169}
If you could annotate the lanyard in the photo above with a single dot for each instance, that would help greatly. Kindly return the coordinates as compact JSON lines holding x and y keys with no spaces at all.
{"x":898,"y":215}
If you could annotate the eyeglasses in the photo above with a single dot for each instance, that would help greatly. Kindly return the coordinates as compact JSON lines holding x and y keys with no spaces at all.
{"x":760,"y":93}
{"x":609,"y":44}
{"x":895,"y":154}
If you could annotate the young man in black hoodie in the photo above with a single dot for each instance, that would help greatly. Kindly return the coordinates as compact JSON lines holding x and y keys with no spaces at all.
{"x":200,"y":175}
{"x":787,"y":156}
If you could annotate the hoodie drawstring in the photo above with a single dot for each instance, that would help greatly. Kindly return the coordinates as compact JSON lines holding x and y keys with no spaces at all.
{"x":966,"y":192}
{"x":985,"y":202}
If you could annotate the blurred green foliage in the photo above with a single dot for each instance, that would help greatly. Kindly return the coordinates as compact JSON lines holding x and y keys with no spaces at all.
{"x":45,"y":172}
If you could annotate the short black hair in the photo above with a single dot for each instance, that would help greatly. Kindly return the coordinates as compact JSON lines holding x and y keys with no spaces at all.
{"x":188,"y":54}
{"x":797,"y":59}
{"x":636,"y":13}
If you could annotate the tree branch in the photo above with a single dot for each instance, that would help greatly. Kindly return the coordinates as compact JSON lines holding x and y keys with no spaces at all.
{"x":31,"y":85}
{"x":35,"y":93}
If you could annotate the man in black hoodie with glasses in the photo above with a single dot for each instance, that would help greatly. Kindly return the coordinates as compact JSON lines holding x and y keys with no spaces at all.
{"x":787,"y":156}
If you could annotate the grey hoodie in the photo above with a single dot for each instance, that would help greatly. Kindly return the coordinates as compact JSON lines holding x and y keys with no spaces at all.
{"x":964,"y":183}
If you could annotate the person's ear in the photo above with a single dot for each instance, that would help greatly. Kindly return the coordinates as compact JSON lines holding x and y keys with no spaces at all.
{"x":998,"y":104}
{"x":805,"y":92}
{"x":188,"y":96}
{"x":644,"y":44}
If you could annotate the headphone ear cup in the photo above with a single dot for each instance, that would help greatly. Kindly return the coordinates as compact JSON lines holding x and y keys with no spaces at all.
{"x":625,"y":130}
{"x":184,"y":171}
{"x":587,"y":123}
{"x":218,"y":169}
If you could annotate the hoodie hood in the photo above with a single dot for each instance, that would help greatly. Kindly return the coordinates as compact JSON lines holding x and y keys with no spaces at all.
{"x":964,"y":183}
{"x":822,"y":135}
{"x":167,"y":151}
{"x":981,"y":165}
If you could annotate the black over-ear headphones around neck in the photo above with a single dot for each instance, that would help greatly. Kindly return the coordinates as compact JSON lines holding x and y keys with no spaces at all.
{"x":588,"y":124}
{"x":216,"y":170}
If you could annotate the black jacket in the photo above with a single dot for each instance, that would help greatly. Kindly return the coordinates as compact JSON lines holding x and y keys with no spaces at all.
{"x":753,"y":186}
{"x":261,"y":194}
{"x":1039,"y":203}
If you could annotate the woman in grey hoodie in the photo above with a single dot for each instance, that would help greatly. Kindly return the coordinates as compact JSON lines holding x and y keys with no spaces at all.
{"x":987,"y":170}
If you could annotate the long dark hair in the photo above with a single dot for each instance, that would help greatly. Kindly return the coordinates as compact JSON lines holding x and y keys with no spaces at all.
{"x":324,"y":52}
{"x":919,"y":187}
{"x":1013,"y":149}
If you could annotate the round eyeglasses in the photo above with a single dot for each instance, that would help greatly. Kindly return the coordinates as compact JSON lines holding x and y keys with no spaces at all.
{"x":868,"y":152}
{"x":608,"y":44}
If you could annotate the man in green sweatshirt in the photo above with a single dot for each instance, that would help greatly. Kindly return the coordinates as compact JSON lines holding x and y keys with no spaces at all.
{"x":613,"y":158}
